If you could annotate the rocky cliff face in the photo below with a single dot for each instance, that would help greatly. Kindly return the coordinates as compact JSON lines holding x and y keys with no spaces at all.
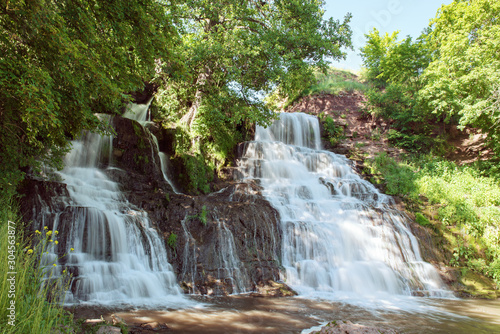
{"x":222,"y":243}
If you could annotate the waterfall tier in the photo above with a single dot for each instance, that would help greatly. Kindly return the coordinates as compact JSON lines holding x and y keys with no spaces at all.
{"x":340,"y":234}
{"x":109,"y":246}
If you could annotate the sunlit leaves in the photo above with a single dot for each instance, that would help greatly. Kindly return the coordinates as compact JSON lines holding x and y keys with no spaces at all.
{"x":63,"y":61}
{"x":465,"y":73}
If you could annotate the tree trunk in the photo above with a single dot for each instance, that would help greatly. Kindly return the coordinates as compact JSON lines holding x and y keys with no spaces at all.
{"x":201,"y":81}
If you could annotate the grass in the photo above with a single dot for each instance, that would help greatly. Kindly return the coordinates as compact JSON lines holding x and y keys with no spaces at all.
{"x":335,"y":82}
{"x":34,"y":313}
{"x":459,"y":198}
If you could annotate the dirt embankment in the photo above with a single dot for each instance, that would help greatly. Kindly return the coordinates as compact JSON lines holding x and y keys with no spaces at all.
{"x":365,"y":136}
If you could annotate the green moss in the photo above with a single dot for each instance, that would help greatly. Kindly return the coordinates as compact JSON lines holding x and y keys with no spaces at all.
{"x":477,"y":285}
{"x":421,"y":219}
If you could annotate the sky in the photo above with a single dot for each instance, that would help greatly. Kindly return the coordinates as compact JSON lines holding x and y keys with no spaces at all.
{"x":410,"y":17}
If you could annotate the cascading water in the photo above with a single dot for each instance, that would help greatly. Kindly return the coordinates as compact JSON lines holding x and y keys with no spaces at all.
{"x":341,"y":237}
{"x":140,"y":113}
{"x":109,"y":246}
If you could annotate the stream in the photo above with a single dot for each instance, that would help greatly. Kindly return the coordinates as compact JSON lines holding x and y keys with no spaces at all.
{"x":245,"y":314}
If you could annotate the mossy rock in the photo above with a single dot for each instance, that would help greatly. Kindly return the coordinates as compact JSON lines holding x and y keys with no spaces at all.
{"x":478,"y":285}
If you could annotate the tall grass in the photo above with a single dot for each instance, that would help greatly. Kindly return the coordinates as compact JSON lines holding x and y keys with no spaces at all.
{"x":334,"y":82}
{"x":34,"y":313}
{"x":461,"y":197}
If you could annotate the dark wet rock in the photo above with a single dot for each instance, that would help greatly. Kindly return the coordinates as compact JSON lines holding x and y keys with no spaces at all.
{"x":143,"y":96}
{"x":37,"y":198}
{"x":221,"y":243}
{"x":203,"y":235}
{"x":226,"y":242}
{"x":135,"y":152}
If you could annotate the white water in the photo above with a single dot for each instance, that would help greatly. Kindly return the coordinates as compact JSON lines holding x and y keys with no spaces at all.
{"x":341,"y":238}
{"x":140,"y":113}
{"x":117,"y":257}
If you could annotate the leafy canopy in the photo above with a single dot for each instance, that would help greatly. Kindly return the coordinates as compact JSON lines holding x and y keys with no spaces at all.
{"x":464,"y":77}
{"x":63,"y":61}
{"x":231,"y":54}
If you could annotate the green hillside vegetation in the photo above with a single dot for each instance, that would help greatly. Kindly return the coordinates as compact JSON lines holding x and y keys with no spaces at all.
{"x":459,"y":203}
{"x":450,"y":75}
{"x":333,"y":81}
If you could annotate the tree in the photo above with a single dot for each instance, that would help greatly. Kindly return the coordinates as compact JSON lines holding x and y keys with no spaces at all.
{"x":388,"y":60}
{"x":463,"y":79}
{"x":63,"y":61}
{"x":232,"y":53}
{"x":244,"y":48}
{"x":375,"y":52}
{"x":394,"y":68}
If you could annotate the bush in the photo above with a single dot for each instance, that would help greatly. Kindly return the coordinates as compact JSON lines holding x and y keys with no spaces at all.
{"x":334,"y":133}
{"x":421,"y":219}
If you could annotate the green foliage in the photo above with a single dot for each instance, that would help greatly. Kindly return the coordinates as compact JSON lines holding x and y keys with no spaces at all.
{"x":333,"y":82}
{"x":421,"y":219}
{"x":389,"y":61}
{"x":230,"y":54}
{"x":203,"y":215}
{"x":451,"y":73}
{"x":172,"y":241}
{"x":35,"y":298}
{"x":374,"y":52}
{"x":198,"y":173}
{"x":398,"y":176}
{"x":63,"y":61}
{"x":333,"y":132}
{"x":463,"y":78}
{"x":393,"y":68}
{"x":412,"y":142}
{"x":463,"y":198}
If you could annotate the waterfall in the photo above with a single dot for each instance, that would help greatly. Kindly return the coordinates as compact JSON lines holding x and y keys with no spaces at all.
{"x":108,"y":245}
{"x":140,"y":113}
{"x":341,"y":236}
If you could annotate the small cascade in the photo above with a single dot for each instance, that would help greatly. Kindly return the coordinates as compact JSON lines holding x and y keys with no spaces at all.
{"x":189,"y":268}
{"x":108,"y":246}
{"x":341,"y":236}
{"x":140,"y":113}
{"x":228,"y":262}
{"x":224,"y":258}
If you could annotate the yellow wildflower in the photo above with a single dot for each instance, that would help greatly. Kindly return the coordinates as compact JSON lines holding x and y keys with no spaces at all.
{"x":45,"y":228}
{"x":72,"y":249}
{"x":56,"y":232}
{"x":30,"y":251}
{"x":55,"y":265}
{"x":49,"y":233}
{"x":37,"y":232}
{"x":56,"y":242}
